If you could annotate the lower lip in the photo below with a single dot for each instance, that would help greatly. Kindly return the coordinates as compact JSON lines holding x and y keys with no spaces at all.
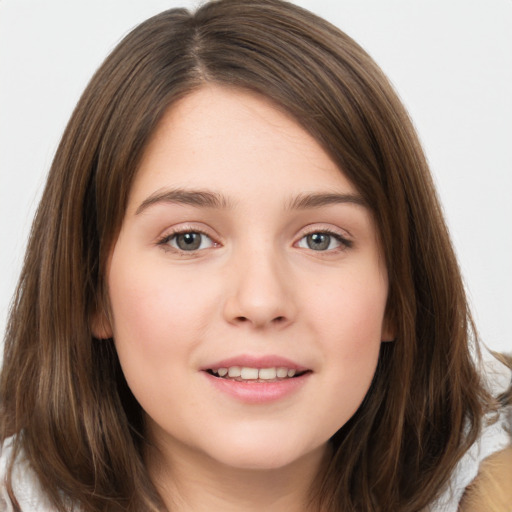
{"x":258,"y":392}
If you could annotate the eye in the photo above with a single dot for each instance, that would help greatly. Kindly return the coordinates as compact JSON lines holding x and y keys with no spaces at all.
{"x":322,"y":241}
{"x":188,"y":241}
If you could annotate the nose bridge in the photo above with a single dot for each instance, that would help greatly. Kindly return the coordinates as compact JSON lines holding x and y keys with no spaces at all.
{"x":261,"y":287}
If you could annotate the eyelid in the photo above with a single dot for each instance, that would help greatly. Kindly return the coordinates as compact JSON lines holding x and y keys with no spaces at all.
{"x":345,"y":240}
{"x":163,"y":240}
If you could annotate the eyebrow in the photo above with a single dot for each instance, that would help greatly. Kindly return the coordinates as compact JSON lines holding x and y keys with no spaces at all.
{"x":209,"y":199}
{"x":318,"y":200}
{"x":198,"y":198}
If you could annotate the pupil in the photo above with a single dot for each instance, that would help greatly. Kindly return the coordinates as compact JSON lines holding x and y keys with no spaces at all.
{"x":318,"y":241}
{"x":189,"y":241}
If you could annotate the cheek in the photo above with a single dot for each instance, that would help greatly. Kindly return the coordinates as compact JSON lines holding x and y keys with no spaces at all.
{"x":349,"y":319}
{"x":156,"y":326}
{"x":351,"y":310}
{"x":158,"y":321}
{"x":352,"y":345}
{"x":151,"y":304}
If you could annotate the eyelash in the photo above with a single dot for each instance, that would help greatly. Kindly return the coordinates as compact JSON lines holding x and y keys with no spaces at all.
{"x":345,"y":243}
{"x":164,"y":241}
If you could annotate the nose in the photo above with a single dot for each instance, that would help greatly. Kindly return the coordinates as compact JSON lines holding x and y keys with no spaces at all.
{"x":260,"y":291}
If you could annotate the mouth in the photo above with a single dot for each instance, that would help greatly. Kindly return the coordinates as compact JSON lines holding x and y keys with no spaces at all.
{"x":256,"y":375}
{"x":261,"y":379}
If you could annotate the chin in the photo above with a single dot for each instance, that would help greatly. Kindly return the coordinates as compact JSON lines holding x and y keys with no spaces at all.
{"x":264,"y":454}
{"x":258,"y":461}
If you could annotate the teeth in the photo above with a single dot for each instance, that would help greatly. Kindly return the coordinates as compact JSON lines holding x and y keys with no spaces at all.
{"x":282,"y":372}
{"x":267,"y":373}
{"x":234,"y":371}
{"x":247,"y":373}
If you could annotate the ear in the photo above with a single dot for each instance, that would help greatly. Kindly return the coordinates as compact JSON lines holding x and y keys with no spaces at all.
{"x":100,"y":326}
{"x":388,"y":333}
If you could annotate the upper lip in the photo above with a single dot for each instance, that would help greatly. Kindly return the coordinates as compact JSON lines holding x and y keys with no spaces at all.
{"x":251,"y":361}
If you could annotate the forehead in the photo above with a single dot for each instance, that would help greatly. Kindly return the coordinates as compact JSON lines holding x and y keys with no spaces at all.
{"x":236,"y":142}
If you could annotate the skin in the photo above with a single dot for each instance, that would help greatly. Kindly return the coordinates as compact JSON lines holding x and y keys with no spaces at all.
{"x":254,"y":287}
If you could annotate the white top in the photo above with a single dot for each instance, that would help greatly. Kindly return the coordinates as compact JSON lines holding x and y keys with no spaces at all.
{"x":25,"y":485}
{"x":494,"y":437}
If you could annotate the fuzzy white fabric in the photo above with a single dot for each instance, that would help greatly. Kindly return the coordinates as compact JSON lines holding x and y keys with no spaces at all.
{"x":26,"y":486}
{"x":494,"y":437}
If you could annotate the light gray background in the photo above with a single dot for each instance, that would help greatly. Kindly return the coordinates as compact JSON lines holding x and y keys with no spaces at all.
{"x":450,"y":60}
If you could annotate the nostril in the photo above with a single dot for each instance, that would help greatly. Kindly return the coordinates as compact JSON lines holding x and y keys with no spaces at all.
{"x":260,"y":319}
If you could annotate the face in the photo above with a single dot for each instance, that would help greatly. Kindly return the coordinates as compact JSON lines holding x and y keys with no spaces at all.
{"x":246,"y":285}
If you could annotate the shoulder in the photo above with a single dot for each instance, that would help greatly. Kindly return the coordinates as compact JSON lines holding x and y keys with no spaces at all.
{"x":25,"y":485}
{"x":491,"y":490}
{"x":487,"y":464}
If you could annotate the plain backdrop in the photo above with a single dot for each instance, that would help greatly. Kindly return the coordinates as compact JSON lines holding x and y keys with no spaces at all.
{"x":450,"y":61}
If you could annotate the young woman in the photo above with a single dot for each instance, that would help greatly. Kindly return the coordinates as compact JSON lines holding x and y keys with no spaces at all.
{"x":239,"y":291}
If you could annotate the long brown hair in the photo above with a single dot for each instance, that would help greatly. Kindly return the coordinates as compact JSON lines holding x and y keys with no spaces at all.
{"x":62,"y":391}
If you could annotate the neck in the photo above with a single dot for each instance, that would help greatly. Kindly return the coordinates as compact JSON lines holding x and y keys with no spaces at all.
{"x":191,"y":481}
